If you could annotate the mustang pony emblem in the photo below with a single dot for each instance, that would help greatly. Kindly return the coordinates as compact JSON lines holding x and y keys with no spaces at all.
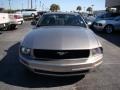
{"x":62,"y":53}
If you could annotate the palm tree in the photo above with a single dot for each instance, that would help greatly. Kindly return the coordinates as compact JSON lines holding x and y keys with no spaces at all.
{"x":54,"y":7}
{"x":89,"y":9}
{"x":79,"y":8}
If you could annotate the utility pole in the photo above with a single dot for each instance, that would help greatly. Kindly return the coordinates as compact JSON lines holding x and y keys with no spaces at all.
{"x":40,"y":4}
{"x":28,"y":4}
{"x":42,"y":7}
{"x":31,"y":4}
{"x":22,"y":4}
{"x":9,"y":4}
{"x":35,"y":4}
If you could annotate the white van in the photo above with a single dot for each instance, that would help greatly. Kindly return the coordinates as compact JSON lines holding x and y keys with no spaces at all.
{"x":28,"y":12}
{"x":10,"y":21}
{"x":4,"y":21}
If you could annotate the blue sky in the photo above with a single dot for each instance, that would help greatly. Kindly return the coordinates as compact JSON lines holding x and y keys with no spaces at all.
{"x":65,"y":5}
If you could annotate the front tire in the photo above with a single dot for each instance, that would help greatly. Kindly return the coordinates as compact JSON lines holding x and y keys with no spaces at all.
{"x":13,"y":27}
{"x":5,"y":28}
{"x":109,"y":29}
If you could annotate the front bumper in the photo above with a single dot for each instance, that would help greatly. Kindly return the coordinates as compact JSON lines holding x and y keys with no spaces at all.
{"x":62,"y":67}
{"x":98,"y":28}
{"x":18,"y":22}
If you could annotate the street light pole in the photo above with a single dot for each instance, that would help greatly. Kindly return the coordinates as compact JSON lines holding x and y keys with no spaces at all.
{"x":84,"y":9}
{"x":92,"y":6}
{"x":42,"y":7}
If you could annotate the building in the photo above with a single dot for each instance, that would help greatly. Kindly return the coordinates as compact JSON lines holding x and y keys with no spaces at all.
{"x":113,"y":4}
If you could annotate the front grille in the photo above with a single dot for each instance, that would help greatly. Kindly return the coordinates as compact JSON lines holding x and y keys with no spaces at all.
{"x":60,"y":54}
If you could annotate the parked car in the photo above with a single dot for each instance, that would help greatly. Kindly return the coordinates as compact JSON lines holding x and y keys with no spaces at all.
{"x":28,"y":12}
{"x":4,"y":21}
{"x":106,"y":16}
{"x":108,"y":25}
{"x":89,"y":20}
{"x":36,"y":18}
{"x":8,"y":21}
{"x":16,"y":18}
{"x":41,"y":13}
{"x":61,"y":45}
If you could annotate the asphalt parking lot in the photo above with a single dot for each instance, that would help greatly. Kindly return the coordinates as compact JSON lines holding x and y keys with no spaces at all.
{"x":14,"y":76}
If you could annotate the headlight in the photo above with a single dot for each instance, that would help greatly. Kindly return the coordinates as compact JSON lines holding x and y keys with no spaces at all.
{"x":97,"y":51}
{"x":25,"y":51}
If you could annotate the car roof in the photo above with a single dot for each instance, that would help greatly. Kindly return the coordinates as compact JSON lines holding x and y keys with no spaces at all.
{"x":71,"y":13}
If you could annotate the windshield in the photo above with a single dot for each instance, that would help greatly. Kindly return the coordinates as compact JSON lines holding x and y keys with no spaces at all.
{"x":61,"y":20}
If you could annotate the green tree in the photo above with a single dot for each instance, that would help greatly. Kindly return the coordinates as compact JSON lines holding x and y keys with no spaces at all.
{"x":79,"y":8}
{"x":54,"y":7}
{"x":90,"y":10}
{"x":1,"y":9}
{"x":9,"y":11}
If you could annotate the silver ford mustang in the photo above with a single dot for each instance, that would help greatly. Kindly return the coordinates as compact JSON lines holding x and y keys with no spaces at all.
{"x":61,"y":45}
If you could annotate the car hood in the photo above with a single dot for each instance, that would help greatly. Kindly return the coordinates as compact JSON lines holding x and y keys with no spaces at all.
{"x":60,"y":38}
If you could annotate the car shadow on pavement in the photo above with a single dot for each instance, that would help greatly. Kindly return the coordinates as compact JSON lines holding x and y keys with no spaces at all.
{"x":14,"y":73}
{"x":0,"y":32}
{"x":113,"y":37}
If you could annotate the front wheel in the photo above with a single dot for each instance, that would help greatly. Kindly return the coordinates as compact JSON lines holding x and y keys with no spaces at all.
{"x":109,"y":29}
{"x":13,"y":27}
